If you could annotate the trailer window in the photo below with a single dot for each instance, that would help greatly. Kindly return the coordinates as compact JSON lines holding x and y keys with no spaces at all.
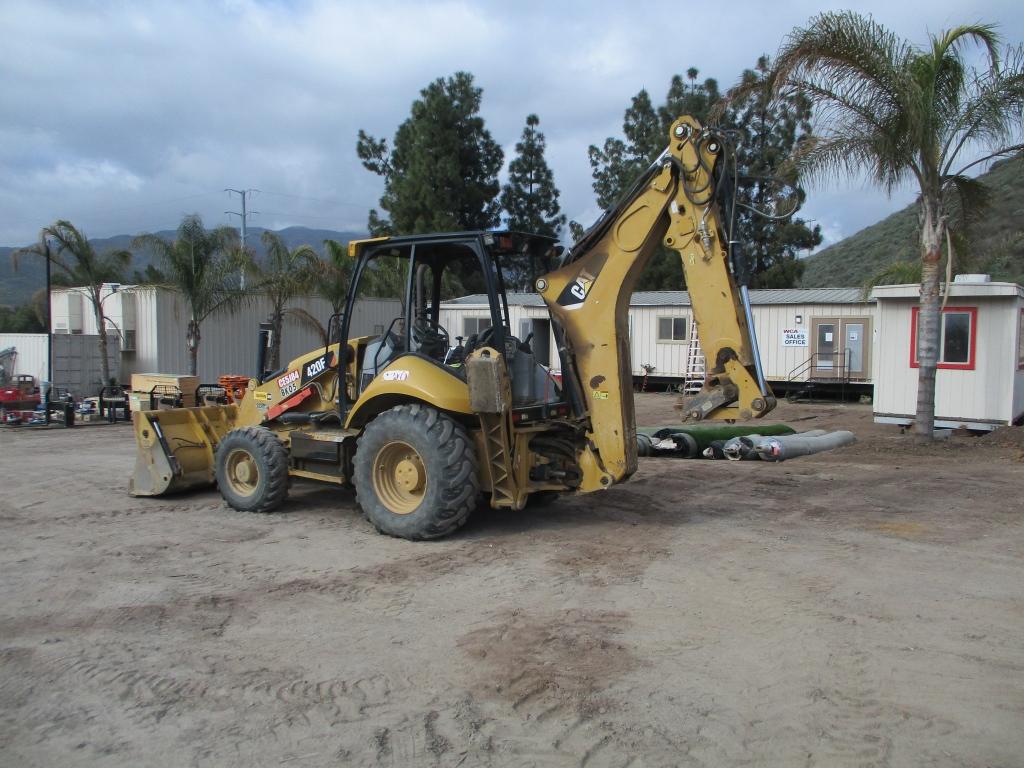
{"x":474,"y":325}
{"x":671,"y":329}
{"x":957,"y":334}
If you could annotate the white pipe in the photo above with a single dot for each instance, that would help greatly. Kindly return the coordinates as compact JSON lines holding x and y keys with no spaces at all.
{"x":745,"y":447}
{"x":790,"y":446}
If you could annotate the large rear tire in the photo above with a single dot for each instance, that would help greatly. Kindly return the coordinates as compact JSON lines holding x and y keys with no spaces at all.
{"x":416,"y":473}
{"x":251,"y":466}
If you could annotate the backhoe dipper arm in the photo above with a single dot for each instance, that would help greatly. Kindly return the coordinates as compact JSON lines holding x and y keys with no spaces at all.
{"x":672,"y":204}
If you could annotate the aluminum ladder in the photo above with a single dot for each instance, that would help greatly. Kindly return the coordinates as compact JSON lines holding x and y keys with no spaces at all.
{"x":696,"y":369}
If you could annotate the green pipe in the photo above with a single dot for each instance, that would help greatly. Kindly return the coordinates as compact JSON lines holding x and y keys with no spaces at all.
{"x":705,"y":434}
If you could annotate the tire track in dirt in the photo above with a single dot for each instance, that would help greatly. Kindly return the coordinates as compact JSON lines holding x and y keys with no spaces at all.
{"x":370,"y":715}
{"x":207,"y":614}
{"x":116,"y":515}
{"x":284,"y":699}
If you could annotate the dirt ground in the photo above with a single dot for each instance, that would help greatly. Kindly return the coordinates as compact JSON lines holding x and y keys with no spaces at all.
{"x":858,"y":608}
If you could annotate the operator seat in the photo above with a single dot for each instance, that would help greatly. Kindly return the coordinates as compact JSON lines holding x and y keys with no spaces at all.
{"x":378,"y":354}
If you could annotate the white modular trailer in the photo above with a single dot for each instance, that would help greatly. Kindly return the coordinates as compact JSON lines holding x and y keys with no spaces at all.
{"x":528,"y":314}
{"x":152,"y":323}
{"x":76,"y":359}
{"x":802,"y":334}
{"x":30,"y":353}
{"x":980,"y":380}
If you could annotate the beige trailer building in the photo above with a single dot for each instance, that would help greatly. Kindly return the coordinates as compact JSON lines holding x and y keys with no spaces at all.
{"x":151,"y":323}
{"x":822,"y":334}
{"x":980,"y":380}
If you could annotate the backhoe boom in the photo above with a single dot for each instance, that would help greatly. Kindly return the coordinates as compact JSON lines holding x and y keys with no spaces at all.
{"x":672,"y":205}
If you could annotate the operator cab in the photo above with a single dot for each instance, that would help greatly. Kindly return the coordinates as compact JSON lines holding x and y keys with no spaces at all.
{"x":424,"y":271}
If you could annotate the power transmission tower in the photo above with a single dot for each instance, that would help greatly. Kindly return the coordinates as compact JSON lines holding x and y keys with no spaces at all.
{"x":244,"y":216}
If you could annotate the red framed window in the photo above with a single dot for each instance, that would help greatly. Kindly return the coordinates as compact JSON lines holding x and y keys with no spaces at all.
{"x":958,"y":332}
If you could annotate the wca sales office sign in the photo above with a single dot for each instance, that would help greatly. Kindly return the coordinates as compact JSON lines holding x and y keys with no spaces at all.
{"x":794,"y":337}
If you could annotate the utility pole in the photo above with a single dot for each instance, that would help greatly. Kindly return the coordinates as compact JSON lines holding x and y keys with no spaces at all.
{"x":49,"y":336}
{"x":243,"y":215}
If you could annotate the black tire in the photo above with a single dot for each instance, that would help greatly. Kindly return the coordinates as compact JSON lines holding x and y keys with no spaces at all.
{"x":247,"y":451}
{"x":441,"y":457}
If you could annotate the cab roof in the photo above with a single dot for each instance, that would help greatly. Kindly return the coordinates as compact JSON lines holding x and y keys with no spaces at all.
{"x":489,"y":238}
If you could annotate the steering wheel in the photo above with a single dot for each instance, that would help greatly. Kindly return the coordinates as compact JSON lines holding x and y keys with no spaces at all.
{"x":482,"y":339}
{"x":430,"y":337}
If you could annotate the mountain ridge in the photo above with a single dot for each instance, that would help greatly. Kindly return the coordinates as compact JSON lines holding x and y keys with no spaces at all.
{"x":996,"y":239}
{"x":17,"y":287}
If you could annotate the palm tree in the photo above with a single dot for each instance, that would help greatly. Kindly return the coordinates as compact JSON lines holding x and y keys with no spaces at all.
{"x":691,"y":74}
{"x":899,"y":114}
{"x":284,"y":275}
{"x":896,"y":273}
{"x":200,"y":265}
{"x":78,"y":265}
{"x":330,"y":276}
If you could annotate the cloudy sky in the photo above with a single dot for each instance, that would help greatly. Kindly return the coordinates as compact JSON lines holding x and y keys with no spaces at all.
{"x":123,"y":116}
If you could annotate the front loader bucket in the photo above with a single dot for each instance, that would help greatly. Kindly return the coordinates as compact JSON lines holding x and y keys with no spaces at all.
{"x":176,"y":447}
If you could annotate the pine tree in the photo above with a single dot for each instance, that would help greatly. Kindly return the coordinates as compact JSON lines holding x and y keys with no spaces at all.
{"x":620,"y":162}
{"x":442,"y":172}
{"x":766,"y":251}
{"x":531,"y":198}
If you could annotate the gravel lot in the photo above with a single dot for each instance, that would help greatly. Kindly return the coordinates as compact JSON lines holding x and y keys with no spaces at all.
{"x":858,"y":608}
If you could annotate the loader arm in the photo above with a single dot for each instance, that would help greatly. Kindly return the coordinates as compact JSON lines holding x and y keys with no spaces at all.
{"x":589,"y":294}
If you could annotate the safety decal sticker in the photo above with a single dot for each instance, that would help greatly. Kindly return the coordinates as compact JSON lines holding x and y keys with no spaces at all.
{"x":600,"y":394}
{"x":395,"y":375}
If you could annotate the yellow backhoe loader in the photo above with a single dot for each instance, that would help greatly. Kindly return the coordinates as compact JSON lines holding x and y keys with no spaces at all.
{"x":421,"y":427}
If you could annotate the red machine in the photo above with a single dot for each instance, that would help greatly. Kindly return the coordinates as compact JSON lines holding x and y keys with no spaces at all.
{"x":20,"y":393}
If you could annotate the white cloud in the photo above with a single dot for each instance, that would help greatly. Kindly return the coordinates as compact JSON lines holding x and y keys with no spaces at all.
{"x":123,"y":116}
{"x":87,"y":175}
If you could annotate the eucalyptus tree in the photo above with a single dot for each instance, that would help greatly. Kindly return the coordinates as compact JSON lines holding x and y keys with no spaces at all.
{"x":78,"y":265}
{"x":900,"y":113}
{"x":201,"y":265}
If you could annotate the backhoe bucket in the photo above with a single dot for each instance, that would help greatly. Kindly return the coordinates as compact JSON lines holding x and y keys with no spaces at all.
{"x":176,"y":447}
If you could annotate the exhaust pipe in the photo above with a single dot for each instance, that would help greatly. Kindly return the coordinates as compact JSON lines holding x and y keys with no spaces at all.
{"x":266,"y":332}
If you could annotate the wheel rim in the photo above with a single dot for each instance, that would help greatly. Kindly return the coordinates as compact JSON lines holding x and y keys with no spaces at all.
{"x":399,"y":477}
{"x":243,"y":474}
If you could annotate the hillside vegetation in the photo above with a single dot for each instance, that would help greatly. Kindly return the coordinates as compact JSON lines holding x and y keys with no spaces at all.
{"x":996,"y":239}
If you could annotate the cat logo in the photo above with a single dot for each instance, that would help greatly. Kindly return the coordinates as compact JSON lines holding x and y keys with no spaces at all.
{"x":575,"y":293}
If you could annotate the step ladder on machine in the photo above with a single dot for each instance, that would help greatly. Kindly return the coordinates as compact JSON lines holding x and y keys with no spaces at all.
{"x":696,"y":368}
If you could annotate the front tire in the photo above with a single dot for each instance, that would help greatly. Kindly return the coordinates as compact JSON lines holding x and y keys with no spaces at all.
{"x":251,"y":466}
{"x":415,"y":473}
